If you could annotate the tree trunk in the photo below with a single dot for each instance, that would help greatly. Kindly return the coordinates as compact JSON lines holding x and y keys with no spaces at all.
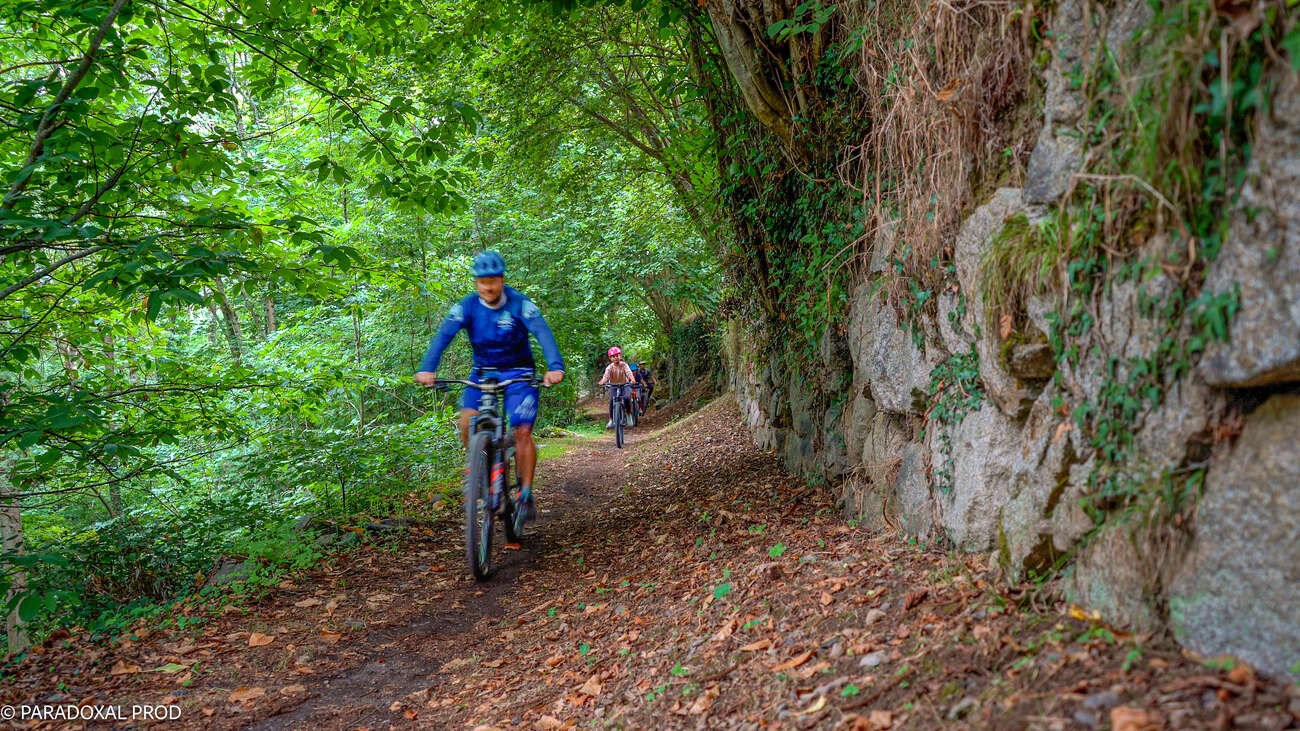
{"x":270,"y":315}
{"x":228,"y":310}
{"x":356,"y":350}
{"x":11,"y":541}
{"x":110,"y":361}
{"x":762,"y":95}
{"x":250,"y":304}
{"x":227,"y":320}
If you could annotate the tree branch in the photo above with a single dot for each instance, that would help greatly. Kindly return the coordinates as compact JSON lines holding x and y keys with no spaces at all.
{"x":47,"y":124}
{"x":47,"y":271}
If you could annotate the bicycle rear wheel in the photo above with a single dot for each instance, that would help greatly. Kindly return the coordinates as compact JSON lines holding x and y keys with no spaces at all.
{"x":618,"y":422}
{"x":478,"y":510}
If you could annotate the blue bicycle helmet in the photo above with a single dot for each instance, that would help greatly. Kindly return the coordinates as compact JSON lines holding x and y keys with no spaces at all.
{"x":489,"y":264}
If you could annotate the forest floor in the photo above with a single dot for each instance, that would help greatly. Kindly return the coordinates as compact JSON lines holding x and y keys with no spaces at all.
{"x":683,"y":582}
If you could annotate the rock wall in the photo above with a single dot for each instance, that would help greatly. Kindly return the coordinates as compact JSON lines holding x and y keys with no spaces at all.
{"x":947,"y":431}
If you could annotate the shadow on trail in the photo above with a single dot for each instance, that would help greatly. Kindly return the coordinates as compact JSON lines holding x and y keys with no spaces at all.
{"x":405,"y":659}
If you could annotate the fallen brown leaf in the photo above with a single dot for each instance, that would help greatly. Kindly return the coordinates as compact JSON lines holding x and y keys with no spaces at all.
{"x":591,"y":687}
{"x":330,"y":637}
{"x":914,"y":598}
{"x":880,"y":719}
{"x":1123,"y":718}
{"x":456,"y":664}
{"x":816,"y":706}
{"x":257,"y":639}
{"x":308,"y":602}
{"x":762,"y":644}
{"x":793,"y":662}
{"x":244,"y":693}
{"x":813,"y":669}
{"x":949,"y":91}
{"x":293,"y":689}
{"x":704,"y":701}
{"x":122,"y":668}
{"x":1061,"y":429}
{"x":545,"y":723}
{"x":726,"y":630}
{"x":826,"y":598}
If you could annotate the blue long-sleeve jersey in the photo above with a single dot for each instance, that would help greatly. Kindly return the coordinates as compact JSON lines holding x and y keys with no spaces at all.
{"x":498,"y":336}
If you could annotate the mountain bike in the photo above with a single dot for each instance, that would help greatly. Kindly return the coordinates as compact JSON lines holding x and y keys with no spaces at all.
{"x":620,"y":414}
{"x":643,"y":398}
{"x":490,"y":452}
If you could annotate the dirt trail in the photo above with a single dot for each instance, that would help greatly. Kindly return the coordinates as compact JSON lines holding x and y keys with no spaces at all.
{"x":683,"y":582}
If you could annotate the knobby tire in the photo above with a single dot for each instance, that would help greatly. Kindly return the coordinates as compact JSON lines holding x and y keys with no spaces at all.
{"x":618,"y":422}
{"x":478,"y":516}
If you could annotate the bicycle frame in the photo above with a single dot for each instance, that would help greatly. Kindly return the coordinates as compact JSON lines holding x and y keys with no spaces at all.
{"x":488,"y":417}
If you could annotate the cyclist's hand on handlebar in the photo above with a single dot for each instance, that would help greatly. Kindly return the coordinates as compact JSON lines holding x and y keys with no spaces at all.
{"x":552,"y":377}
{"x":426,"y":378}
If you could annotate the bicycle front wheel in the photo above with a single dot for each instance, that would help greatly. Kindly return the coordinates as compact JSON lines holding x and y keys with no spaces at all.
{"x":618,"y":423}
{"x":478,"y":509}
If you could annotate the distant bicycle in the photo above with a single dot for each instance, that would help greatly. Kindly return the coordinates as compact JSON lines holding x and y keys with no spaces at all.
{"x":641,"y":395}
{"x":488,"y":461}
{"x":623,"y":414}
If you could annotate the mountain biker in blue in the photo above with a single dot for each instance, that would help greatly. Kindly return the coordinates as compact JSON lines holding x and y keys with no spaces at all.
{"x":497,"y":320}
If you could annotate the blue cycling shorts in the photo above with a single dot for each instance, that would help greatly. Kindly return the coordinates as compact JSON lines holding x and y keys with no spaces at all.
{"x":521,"y":399}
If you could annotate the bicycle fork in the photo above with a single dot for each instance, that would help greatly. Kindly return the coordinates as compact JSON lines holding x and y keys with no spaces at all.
{"x":497,"y":483}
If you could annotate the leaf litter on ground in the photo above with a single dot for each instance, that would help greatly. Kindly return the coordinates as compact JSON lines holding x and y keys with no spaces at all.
{"x":820,"y":624}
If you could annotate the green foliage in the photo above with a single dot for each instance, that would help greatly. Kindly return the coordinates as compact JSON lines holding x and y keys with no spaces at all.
{"x":808,"y":18}
{"x":1020,"y":263}
{"x":955,"y":391}
{"x":224,"y":248}
{"x":695,"y":352}
{"x":808,"y":233}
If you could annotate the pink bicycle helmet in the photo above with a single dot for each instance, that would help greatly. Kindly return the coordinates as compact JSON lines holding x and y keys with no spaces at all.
{"x":614,"y":351}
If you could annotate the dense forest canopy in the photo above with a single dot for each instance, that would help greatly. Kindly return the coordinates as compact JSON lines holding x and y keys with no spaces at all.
{"x":229,"y":229}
